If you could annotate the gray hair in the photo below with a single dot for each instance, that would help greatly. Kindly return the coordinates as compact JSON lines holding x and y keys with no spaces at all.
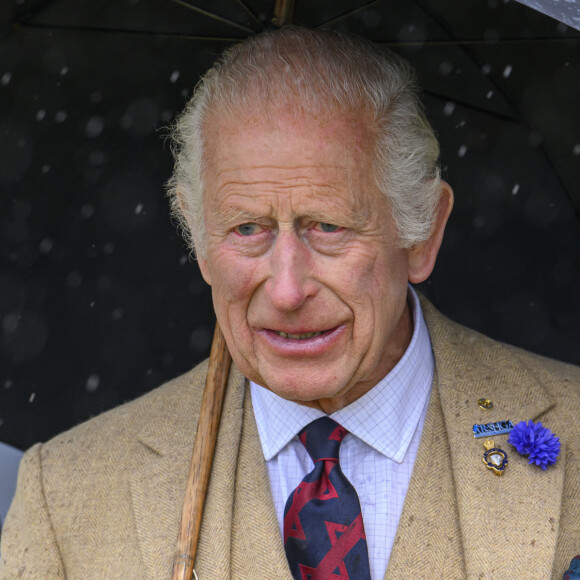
{"x":315,"y":71}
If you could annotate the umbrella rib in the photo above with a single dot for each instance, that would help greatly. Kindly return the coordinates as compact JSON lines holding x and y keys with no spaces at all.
{"x":64,"y":27}
{"x":249,"y":11}
{"x":349,"y":13}
{"x":214,"y":16}
{"x":474,"y":41}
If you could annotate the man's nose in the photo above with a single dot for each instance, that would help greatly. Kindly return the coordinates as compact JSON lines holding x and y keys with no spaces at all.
{"x":289,"y":283}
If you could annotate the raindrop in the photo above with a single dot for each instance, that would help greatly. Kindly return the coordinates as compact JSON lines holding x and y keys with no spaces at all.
{"x":87,"y":210}
{"x":96,"y":158}
{"x":74,"y":279}
{"x":96,"y":97}
{"x":576,"y":149}
{"x":515,"y":189}
{"x":141,"y":117}
{"x":10,"y":323}
{"x":462,"y":151}
{"x":507,"y":71}
{"x":46,"y":246}
{"x":92,"y":304}
{"x":486,"y":69}
{"x":460,"y":124}
{"x":166,"y":115}
{"x":6,"y":78}
{"x":478,"y":221}
{"x":200,"y":339}
{"x":1,"y":421}
{"x":95,"y":126}
{"x":60,"y":117}
{"x":28,"y":339}
{"x":448,"y":109}
{"x":184,"y":93}
{"x":41,"y":114}
{"x":64,"y":70}
{"x":8,"y":383}
{"x":32,"y":397}
{"x":183,"y":260}
{"x":174,"y":76}
{"x":445,"y":68}
{"x":109,"y":248}
{"x":92,"y":383}
{"x":117,"y":314}
{"x":489,"y":94}
{"x":138,"y":209}
{"x":370,"y":17}
{"x":125,"y":122}
{"x":45,"y":168}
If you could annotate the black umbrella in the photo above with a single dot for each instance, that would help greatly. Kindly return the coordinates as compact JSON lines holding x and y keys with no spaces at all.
{"x":98,"y":300}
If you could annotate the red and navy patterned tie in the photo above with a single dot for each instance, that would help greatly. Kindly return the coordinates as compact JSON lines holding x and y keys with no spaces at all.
{"x":324,"y":534}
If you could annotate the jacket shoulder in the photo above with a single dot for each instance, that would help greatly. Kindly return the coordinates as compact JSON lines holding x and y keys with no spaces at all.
{"x":114,"y":434}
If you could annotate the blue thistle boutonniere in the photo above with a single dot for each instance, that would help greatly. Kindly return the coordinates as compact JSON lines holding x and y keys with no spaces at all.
{"x":536,"y":441}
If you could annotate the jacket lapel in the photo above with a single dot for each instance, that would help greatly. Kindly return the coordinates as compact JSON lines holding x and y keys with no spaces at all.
{"x":508,"y":523}
{"x":428,"y":541}
{"x":257,"y":547}
{"x":158,"y":488}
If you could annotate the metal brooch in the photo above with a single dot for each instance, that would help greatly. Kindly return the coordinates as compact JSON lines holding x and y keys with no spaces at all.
{"x":495,"y":458}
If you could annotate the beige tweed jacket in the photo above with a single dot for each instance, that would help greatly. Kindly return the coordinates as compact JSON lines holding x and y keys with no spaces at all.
{"x":103,"y":500}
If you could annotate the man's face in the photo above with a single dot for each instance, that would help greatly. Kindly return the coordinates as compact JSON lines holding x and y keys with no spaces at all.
{"x":308,"y":282}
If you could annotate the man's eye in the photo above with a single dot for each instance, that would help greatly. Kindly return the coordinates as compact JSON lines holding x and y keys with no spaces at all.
{"x":327,"y":228}
{"x":248,"y":229}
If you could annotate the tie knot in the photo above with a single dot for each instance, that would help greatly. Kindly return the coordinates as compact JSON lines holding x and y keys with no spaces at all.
{"x":322,"y":438}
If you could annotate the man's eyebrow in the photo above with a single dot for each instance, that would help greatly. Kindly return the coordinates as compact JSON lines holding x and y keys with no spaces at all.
{"x":349,"y":218}
{"x":233,"y":215}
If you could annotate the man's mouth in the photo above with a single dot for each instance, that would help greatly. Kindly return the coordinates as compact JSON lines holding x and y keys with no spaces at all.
{"x":297,"y":336}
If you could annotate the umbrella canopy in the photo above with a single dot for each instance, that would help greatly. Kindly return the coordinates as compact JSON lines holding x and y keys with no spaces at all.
{"x":98,"y":299}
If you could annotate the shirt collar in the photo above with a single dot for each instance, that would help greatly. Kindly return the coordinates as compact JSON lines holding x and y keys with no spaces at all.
{"x":385,"y":418}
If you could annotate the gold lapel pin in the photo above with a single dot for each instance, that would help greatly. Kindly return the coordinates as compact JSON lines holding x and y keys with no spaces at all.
{"x":494,"y":457}
{"x":485,"y":404}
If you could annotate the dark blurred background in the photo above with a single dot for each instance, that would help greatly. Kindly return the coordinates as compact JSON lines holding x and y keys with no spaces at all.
{"x":99,"y":301}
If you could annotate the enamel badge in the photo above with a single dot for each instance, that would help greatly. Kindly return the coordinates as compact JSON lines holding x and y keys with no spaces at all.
{"x":494,"y":457}
{"x":497,"y":428}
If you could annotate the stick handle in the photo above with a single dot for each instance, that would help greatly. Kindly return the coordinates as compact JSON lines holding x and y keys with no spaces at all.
{"x":202,"y":457}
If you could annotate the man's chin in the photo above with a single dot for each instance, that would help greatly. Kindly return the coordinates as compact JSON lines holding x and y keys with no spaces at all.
{"x":304,"y":389}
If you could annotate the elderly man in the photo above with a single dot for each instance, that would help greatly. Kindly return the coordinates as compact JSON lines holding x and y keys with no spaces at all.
{"x":306,"y":176}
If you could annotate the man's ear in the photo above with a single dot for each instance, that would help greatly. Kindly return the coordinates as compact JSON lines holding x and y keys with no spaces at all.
{"x":422,"y":256}
{"x":202,"y":262}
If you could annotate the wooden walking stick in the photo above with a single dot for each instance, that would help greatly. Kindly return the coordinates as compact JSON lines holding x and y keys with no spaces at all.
{"x":202,"y":457}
